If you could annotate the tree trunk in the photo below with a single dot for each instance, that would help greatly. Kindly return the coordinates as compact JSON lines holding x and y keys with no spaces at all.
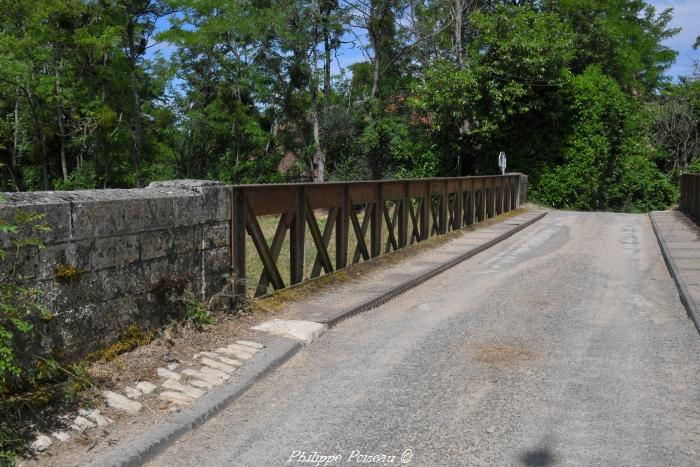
{"x":15,"y":134}
{"x":15,"y":154}
{"x":136,"y":102}
{"x":39,"y":139}
{"x":59,"y":122}
{"x":319,"y":158}
{"x":457,"y":39}
{"x":44,"y":164}
{"x":377,"y":65}
{"x":326,"y":65}
{"x":376,"y":28}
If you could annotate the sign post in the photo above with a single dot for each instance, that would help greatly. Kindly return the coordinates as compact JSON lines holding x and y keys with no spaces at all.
{"x":502,"y":162}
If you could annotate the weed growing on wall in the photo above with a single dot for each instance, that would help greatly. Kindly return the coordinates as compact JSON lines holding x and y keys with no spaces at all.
{"x":196,"y":312}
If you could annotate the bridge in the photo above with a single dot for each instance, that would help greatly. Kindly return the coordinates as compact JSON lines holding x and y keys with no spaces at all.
{"x":564,"y":344}
{"x":499,"y":333}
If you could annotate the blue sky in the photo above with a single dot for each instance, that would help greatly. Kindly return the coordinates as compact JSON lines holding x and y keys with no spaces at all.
{"x":686,"y":15}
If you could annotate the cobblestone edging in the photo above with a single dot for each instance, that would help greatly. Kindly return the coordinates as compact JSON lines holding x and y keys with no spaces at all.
{"x":179,"y":385}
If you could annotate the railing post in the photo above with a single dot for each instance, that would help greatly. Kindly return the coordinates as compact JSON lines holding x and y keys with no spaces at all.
{"x":510,"y":193}
{"x":459,"y":203}
{"x":443,"y":208}
{"x":297,"y":234}
{"x":496,"y":196}
{"x":376,"y":227}
{"x":471,"y":203}
{"x":238,"y":235}
{"x":403,"y":217}
{"x":501,"y":193}
{"x":492,"y":198}
{"x":488,"y":191}
{"x":425,"y":213}
{"x":478,"y":201}
{"x":341,"y":230}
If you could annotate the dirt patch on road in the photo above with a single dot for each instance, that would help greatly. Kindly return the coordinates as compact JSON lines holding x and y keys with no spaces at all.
{"x":494,"y":354}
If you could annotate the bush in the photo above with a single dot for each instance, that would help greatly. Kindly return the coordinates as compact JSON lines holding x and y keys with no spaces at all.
{"x":608,"y":157}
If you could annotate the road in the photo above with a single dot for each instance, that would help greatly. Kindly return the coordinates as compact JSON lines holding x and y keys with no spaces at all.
{"x":566,"y":344}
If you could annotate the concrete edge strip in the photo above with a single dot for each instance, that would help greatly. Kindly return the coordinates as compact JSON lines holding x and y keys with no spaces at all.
{"x":151,"y":443}
{"x":685,"y":296}
{"x":416,"y":281}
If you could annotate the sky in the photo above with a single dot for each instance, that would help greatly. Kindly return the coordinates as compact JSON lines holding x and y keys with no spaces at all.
{"x":686,"y":15}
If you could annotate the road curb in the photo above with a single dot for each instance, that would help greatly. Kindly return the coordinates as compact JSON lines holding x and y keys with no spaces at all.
{"x":416,"y":281}
{"x":277,"y":351}
{"x":691,"y":306}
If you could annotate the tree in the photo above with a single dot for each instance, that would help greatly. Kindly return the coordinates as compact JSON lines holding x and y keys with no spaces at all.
{"x":137,"y":19}
{"x":250,"y":88}
{"x":676,"y":124}
{"x":623,"y":37}
{"x":606,"y":165}
{"x":515,"y":52}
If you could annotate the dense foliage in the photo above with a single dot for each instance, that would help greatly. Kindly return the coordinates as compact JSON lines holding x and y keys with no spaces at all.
{"x":574,"y":91}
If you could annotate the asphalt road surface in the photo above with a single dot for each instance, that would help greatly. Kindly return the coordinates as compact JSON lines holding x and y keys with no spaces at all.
{"x":566,"y":344}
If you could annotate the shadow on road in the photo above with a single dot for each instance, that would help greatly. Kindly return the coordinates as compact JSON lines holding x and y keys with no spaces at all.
{"x":537,"y":457}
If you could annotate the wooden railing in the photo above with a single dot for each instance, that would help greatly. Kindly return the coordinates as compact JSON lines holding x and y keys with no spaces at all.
{"x":690,"y":196}
{"x":396,"y":214}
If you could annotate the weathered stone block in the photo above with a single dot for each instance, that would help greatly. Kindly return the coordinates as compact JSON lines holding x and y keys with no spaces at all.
{"x":102,"y":285}
{"x":55,"y":209}
{"x":184,"y":184}
{"x":156,"y":244}
{"x":208,"y":205}
{"x":216,"y":261}
{"x":142,"y":210}
{"x":216,"y":235}
{"x":76,"y":254}
{"x":24,"y":262}
{"x":187,"y":239}
{"x":167,"y":279}
{"x":217,"y":202}
{"x":189,"y":210}
{"x":216,"y":267}
{"x":185,"y":266}
{"x":115,"y":251}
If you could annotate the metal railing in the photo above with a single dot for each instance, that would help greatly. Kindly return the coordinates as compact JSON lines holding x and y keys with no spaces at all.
{"x":395,"y":213}
{"x":690,"y":196}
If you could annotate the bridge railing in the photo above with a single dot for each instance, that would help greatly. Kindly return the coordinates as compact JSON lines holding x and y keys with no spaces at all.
{"x":351,"y":222}
{"x":690,"y":196}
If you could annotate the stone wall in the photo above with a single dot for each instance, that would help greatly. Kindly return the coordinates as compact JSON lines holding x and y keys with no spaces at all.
{"x":134,"y":250}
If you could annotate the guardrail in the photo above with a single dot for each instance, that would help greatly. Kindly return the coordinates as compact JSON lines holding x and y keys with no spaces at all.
{"x":395,"y":214}
{"x":690,"y":196}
